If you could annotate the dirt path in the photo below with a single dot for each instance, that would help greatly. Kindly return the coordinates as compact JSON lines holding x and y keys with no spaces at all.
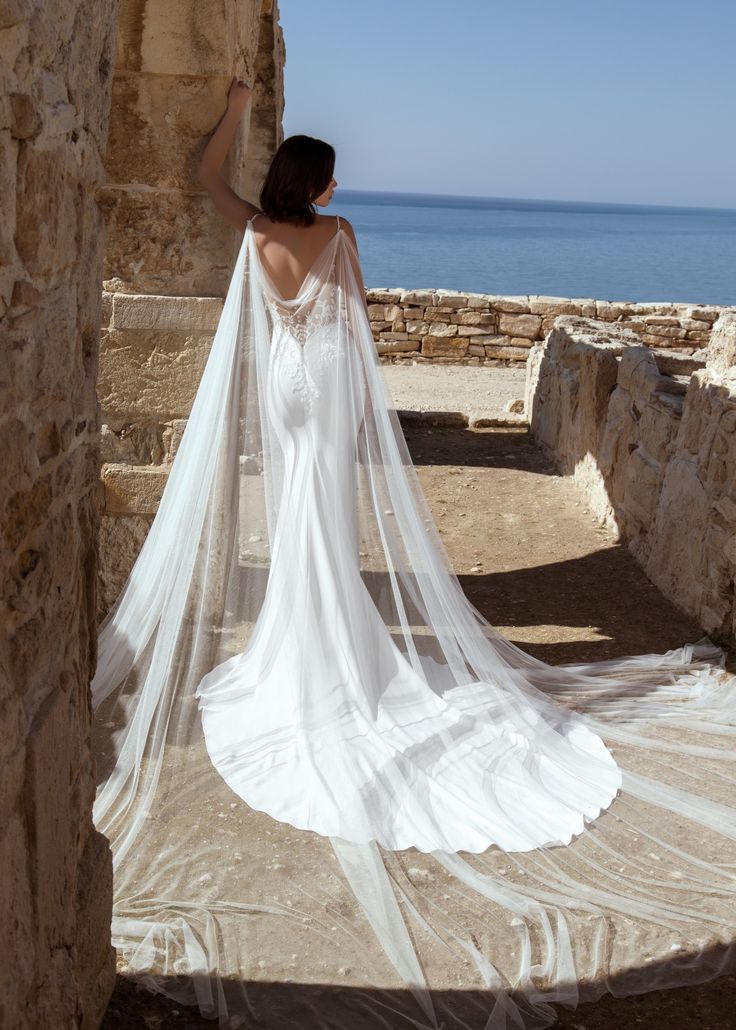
{"x":533,"y":561}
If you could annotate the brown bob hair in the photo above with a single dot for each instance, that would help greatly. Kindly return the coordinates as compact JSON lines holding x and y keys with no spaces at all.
{"x":301,"y":169}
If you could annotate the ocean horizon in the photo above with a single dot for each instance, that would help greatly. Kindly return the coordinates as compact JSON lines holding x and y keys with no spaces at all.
{"x":561,"y":248}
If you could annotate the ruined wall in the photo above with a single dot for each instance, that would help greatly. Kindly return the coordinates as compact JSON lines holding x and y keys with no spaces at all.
{"x":650,"y":437}
{"x":55,"y":890}
{"x":169,"y":254}
{"x":451,"y":327}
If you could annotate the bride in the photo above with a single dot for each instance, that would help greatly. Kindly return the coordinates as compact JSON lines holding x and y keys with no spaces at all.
{"x":293,"y":695}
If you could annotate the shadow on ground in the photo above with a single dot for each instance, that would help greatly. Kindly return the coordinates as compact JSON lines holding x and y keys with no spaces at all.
{"x":291,"y":1006}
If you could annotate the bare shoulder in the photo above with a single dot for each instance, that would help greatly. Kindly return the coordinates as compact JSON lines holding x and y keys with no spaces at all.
{"x":348,"y":228}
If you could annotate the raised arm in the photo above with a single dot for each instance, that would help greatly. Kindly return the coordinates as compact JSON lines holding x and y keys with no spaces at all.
{"x":232,"y":207}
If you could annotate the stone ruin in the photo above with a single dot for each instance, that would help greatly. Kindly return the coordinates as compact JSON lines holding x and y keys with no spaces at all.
{"x":650,"y":437}
{"x":64,"y":163}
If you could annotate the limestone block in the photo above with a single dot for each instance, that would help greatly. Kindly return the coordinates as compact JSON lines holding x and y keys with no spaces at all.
{"x":527,"y":326}
{"x":722,"y":345}
{"x":171,"y":243}
{"x":151,"y":375}
{"x":506,"y":352}
{"x":381,"y":296}
{"x":133,"y":489}
{"x":612,"y":311}
{"x":451,"y":299}
{"x":484,"y":318}
{"x":159,"y":129}
{"x":470,"y":330}
{"x":443,"y":329}
{"x":421,"y":297}
{"x":512,"y":305}
{"x":443,"y":346}
{"x":170,"y":37}
{"x":553,"y":306}
{"x":703,"y":313}
{"x":643,"y":485}
{"x":438,"y":314}
{"x":176,"y":314}
{"x":135,"y":443}
{"x":394,"y":346}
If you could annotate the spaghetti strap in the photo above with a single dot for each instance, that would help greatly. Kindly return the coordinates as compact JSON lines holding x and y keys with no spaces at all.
{"x":253,"y":217}
{"x":338,"y":223}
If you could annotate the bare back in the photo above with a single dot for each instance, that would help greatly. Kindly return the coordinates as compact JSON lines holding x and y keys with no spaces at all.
{"x":288,"y":251}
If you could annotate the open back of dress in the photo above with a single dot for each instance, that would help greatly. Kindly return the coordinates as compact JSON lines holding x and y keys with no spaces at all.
{"x":301,"y":722}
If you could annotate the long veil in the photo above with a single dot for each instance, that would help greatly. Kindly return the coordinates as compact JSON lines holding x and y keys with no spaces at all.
{"x":421,"y":901}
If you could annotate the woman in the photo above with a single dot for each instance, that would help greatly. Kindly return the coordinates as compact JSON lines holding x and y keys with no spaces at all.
{"x":294,"y":584}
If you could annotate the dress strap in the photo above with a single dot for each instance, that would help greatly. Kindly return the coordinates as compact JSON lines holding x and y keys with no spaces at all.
{"x":252,"y":219}
{"x":338,"y":222}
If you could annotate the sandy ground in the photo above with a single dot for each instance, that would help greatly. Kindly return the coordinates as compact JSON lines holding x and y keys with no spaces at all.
{"x":532,"y":559}
{"x":480,"y":396}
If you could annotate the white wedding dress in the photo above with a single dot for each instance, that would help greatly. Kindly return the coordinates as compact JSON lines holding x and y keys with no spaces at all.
{"x":292,"y":622}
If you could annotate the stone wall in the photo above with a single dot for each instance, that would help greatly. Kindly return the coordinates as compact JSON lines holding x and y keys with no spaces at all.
{"x":450,"y":327}
{"x":650,"y":437}
{"x":174,"y":63}
{"x":169,"y":254}
{"x":58,"y":966}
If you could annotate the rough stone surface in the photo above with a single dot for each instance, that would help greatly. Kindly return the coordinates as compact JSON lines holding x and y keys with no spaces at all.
{"x":169,"y":254}
{"x":58,"y":965}
{"x":650,"y":438}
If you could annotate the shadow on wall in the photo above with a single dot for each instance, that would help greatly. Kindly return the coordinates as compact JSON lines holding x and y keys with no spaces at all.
{"x":650,"y":437}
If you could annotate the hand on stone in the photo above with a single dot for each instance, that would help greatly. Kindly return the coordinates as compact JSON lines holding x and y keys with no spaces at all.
{"x":238,"y":94}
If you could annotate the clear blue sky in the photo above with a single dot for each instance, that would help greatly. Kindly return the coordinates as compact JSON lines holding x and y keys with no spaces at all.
{"x":631,"y":101}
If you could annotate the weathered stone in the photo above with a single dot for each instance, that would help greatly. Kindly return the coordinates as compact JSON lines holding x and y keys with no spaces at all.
{"x":396,"y":346}
{"x":513,"y":305}
{"x":440,"y":346}
{"x":133,"y":490}
{"x":421,"y":297}
{"x":177,"y":314}
{"x":485,"y":318}
{"x":507,"y":353}
{"x":151,"y":375}
{"x":451,"y":299}
{"x":722,"y":346}
{"x":469,"y":330}
{"x":527,"y":326}
{"x":443,"y":329}
{"x":650,"y":438}
{"x":553,"y":306}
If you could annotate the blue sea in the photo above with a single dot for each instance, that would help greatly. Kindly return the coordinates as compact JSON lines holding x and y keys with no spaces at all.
{"x":630,"y":252}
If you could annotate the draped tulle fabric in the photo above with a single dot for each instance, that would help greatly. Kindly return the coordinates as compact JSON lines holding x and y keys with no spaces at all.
{"x":319,"y":763}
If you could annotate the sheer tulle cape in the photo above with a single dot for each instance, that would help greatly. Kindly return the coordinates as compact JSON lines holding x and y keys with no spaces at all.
{"x":213,"y":896}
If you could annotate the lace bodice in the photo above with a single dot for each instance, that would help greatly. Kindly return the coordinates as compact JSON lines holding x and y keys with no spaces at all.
{"x":306,"y":319}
